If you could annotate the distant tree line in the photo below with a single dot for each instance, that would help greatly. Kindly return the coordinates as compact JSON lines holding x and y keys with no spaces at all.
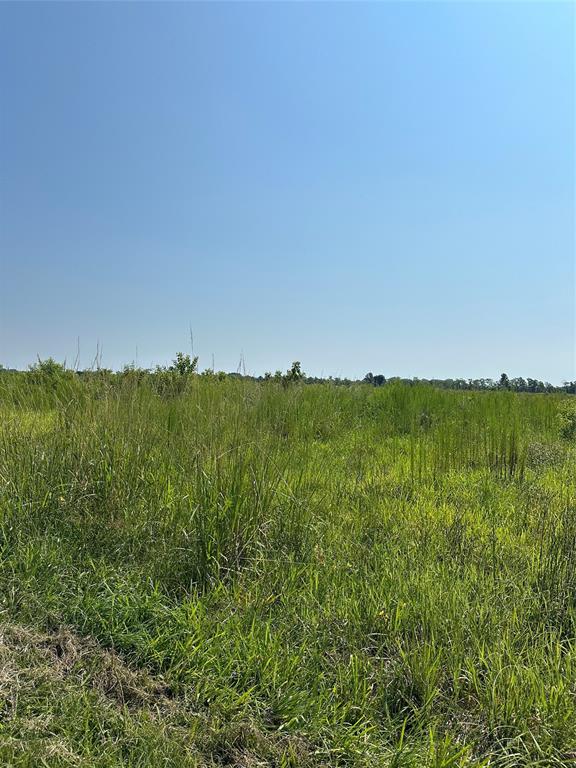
{"x":517,"y":384}
{"x":183,"y":367}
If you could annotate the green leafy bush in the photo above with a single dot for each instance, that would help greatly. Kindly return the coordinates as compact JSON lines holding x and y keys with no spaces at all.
{"x":567,"y":420}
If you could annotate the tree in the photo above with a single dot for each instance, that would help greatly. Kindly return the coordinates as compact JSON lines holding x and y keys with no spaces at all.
{"x":376,"y":381}
{"x":184,"y":364}
{"x":48,"y":367}
{"x":518,"y":384}
{"x":294,"y":373}
{"x":504,"y":382}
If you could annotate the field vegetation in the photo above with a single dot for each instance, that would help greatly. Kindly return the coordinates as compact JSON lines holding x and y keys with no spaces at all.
{"x":203,"y":570}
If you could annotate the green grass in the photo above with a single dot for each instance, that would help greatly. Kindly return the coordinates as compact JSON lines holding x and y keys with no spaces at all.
{"x":234,"y":573}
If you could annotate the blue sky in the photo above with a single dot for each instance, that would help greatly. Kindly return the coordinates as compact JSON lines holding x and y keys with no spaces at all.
{"x":385,"y":187}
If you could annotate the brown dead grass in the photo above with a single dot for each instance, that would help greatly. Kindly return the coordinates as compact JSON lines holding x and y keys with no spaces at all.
{"x":26,"y":655}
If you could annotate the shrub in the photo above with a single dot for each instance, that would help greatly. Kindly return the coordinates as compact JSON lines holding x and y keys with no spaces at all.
{"x":567,"y":420}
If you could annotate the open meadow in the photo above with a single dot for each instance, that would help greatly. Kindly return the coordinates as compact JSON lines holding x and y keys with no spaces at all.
{"x":204,"y":571}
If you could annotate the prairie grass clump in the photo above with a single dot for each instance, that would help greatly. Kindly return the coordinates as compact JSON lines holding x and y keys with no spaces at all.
{"x":201,"y":570}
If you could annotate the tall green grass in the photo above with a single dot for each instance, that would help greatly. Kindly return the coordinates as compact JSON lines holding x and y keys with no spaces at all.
{"x":321,"y":576}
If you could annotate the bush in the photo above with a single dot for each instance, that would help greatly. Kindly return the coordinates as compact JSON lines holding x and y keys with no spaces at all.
{"x":567,"y":420}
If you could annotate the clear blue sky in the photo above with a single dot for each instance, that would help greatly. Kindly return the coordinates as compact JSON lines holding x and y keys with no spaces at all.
{"x":385,"y":187}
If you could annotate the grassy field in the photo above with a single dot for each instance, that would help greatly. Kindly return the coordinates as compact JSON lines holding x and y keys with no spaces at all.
{"x":250,"y":575}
